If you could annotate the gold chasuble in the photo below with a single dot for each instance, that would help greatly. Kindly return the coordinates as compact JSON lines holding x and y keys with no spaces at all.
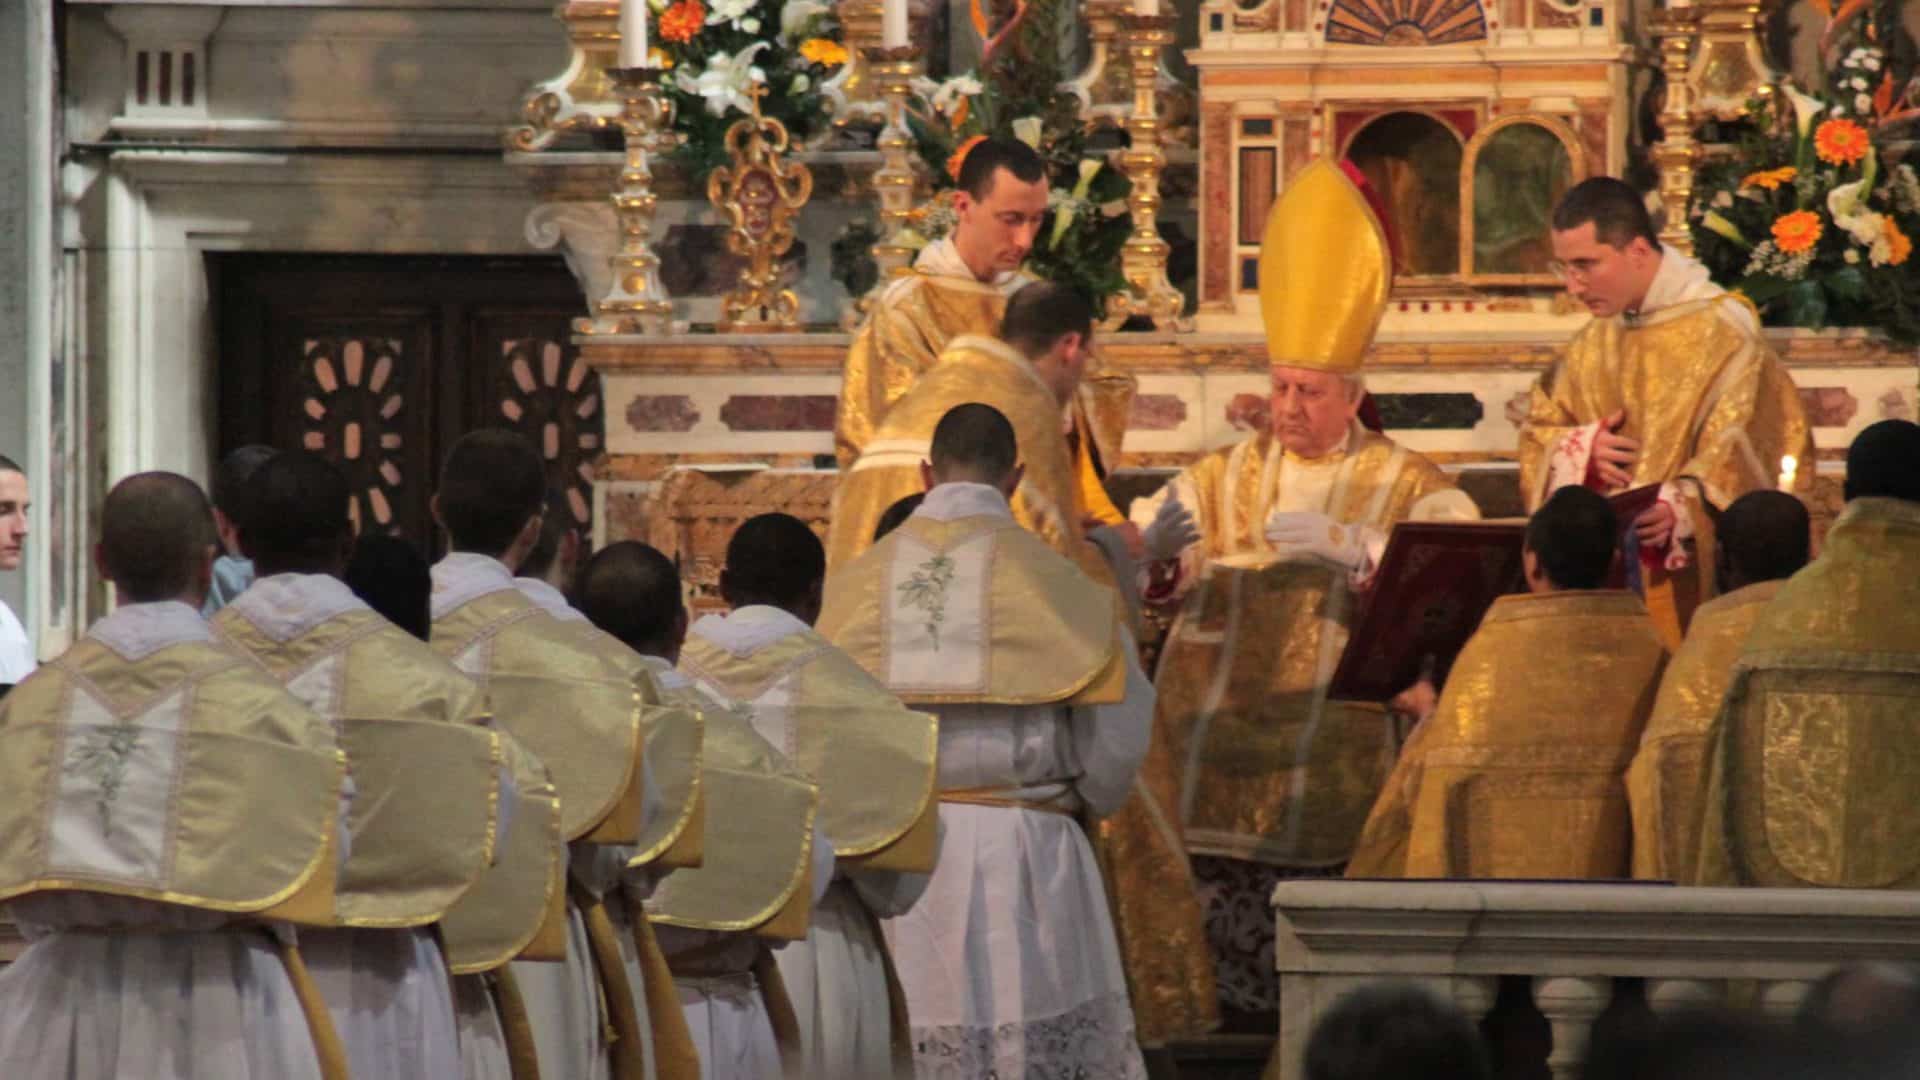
{"x":181,"y":774}
{"x":1811,"y":766}
{"x":971,"y":368}
{"x":1663,"y":784}
{"x":872,"y":758}
{"x":1519,"y":771}
{"x":1704,"y":395}
{"x":423,"y":760}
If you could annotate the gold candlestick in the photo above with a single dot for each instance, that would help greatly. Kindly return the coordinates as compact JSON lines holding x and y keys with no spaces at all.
{"x":1106,"y":85}
{"x":894,"y":182}
{"x":636,"y":301}
{"x":854,"y":92}
{"x":1730,"y":69}
{"x":1144,"y":259}
{"x":1676,"y":153}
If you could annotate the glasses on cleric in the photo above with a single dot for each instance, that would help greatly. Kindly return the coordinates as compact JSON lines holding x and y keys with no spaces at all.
{"x":1580,"y":270}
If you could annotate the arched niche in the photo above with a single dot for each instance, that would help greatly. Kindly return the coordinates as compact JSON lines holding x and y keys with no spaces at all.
{"x":1516,"y":169}
{"x":1413,"y":159}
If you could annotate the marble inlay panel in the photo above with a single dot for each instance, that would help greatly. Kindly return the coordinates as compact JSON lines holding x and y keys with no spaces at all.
{"x":1828,"y":406}
{"x":662,"y":412}
{"x":1455,"y":411}
{"x":768,"y":412}
{"x":1157,"y":412}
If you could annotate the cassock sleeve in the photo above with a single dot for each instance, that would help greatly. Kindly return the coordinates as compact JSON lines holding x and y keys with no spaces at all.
{"x":1110,"y":741}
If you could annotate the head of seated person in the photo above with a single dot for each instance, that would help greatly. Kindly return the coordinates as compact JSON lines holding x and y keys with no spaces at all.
{"x":1884,"y":462}
{"x":1763,"y":536}
{"x":974,"y":443}
{"x":1570,"y":542}
{"x":1390,"y":1030}
{"x":775,"y":560}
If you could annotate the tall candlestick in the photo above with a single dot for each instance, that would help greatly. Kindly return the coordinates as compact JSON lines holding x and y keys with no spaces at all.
{"x":893,"y":24}
{"x":633,"y":33}
{"x":1789,"y":470}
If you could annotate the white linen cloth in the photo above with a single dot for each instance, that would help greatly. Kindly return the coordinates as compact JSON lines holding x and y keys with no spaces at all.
{"x":16,"y":651}
{"x":836,"y":977}
{"x":1009,"y":960}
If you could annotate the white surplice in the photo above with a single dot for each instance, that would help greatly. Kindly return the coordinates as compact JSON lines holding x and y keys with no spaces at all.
{"x":837,"y":977}
{"x":1009,"y":960}
{"x":139,"y":990}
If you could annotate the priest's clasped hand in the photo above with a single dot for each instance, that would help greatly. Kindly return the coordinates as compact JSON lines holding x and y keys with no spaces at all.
{"x":1171,"y":532}
{"x":1317,"y":534}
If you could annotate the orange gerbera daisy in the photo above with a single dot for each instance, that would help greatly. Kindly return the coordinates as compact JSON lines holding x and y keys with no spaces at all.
{"x":682,"y":21}
{"x":1840,"y":142}
{"x":1899,"y":246}
{"x":1797,"y":232}
{"x":824,"y":51}
{"x":959,"y":157}
{"x":1770,"y":178}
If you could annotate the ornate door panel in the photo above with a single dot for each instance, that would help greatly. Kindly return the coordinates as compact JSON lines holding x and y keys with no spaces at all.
{"x":380,"y":363}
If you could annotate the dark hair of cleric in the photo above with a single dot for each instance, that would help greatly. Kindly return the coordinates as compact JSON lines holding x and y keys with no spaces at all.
{"x":773,"y":559}
{"x":989,"y":156}
{"x":493,"y":482}
{"x":229,"y":488}
{"x":1391,"y":1031}
{"x":631,"y":591}
{"x":896,"y":515}
{"x":554,"y":527}
{"x":156,"y":534}
{"x":1884,"y":462}
{"x":1040,"y":314}
{"x":976,"y":438}
{"x":391,"y":575}
{"x":7,"y":464}
{"x":1766,"y":535}
{"x":1614,"y":209}
{"x":1573,"y":536}
{"x":297,"y":512}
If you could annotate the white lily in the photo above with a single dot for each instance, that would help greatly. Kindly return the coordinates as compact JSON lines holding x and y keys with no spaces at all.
{"x":1028,"y":130}
{"x":948,"y":95}
{"x":796,"y":15}
{"x":1721,"y":226}
{"x":729,"y":11}
{"x":799,"y":85}
{"x":1806,"y":109}
{"x":725,"y":80}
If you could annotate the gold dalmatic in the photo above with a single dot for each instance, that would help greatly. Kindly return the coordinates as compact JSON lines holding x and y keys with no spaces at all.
{"x":972,"y":369}
{"x":1811,"y":763}
{"x":1663,"y":784}
{"x":1518,"y":772}
{"x":423,"y":760}
{"x":955,"y":612}
{"x":1271,"y":770}
{"x":873,"y":758}
{"x":755,"y":872}
{"x":186,"y":777}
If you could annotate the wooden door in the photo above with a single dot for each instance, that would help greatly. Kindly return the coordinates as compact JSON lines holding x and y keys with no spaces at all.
{"x":381,"y":362}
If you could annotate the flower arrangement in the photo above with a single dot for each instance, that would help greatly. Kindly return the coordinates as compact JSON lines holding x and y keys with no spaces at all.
{"x":1812,"y":216}
{"x":716,"y":52}
{"x":1015,"y":92}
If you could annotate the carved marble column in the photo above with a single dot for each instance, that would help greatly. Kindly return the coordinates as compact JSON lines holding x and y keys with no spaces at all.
{"x":1570,"y":1003}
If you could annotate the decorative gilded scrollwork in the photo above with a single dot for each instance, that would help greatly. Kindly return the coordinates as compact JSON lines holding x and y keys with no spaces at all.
{"x":760,"y":193}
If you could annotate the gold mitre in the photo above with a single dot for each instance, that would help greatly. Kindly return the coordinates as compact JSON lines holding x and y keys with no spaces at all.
{"x":1325,"y":270}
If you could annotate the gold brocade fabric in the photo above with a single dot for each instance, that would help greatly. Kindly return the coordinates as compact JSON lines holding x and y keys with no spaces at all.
{"x":1663,"y":783}
{"x":571,"y":694}
{"x":1705,"y":398}
{"x":500,"y":916}
{"x":1036,"y":603}
{"x":1102,"y":408}
{"x":970,"y":369}
{"x":423,"y":760}
{"x":1325,"y":272}
{"x":1271,"y":770}
{"x":675,"y":835}
{"x":910,"y":326}
{"x":188,"y":777}
{"x":1814,"y":760}
{"x":872,"y":757}
{"x":1519,"y":771}
{"x":757,"y":855}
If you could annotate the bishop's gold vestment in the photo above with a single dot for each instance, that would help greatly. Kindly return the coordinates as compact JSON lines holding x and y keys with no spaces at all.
{"x":1663,"y":783}
{"x":1813,"y":765}
{"x":1519,"y":771}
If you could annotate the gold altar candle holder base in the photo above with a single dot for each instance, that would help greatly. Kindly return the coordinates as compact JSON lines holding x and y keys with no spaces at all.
{"x":1143,"y":261}
{"x":1677,"y":152}
{"x":894,"y":182}
{"x":636,"y":302}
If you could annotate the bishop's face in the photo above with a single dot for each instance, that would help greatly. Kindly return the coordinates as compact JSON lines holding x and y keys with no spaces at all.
{"x":995,"y":232}
{"x":1311,"y":409}
{"x":1607,"y":279}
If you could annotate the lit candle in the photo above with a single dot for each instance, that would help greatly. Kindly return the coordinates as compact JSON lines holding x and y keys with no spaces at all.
{"x":893,"y":24}
{"x":633,"y":33}
{"x":1789,"y":467}
{"x":1146,"y":7}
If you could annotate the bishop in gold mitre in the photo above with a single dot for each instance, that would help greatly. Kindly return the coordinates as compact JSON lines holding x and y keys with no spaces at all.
{"x":1519,"y":771}
{"x":1763,"y":539}
{"x":959,"y":286}
{"x":764,"y":865}
{"x":1260,"y":547}
{"x":169,"y":811}
{"x":577,"y":699}
{"x":1670,"y":384}
{"x":1811,"y":766}
{"x":873,"y":759}
{"x":422,"y":814}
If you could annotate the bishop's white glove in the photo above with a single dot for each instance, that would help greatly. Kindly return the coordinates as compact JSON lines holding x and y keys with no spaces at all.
{"x":1317,"y":534}
{"x":1172,"y":531}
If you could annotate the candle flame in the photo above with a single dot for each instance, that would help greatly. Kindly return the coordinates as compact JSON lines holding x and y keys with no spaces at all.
{"x":1789,"y":467}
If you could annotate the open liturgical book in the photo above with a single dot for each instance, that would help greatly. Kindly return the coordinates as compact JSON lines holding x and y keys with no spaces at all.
{"x":1436,"y":581}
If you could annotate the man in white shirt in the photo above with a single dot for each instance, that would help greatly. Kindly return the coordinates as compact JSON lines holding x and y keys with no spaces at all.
{"x":16,"y":652}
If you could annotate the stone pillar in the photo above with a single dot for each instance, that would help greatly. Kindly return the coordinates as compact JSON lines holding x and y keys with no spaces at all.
{"x":1668,"y":996}
{"x":1570,"y":1003}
